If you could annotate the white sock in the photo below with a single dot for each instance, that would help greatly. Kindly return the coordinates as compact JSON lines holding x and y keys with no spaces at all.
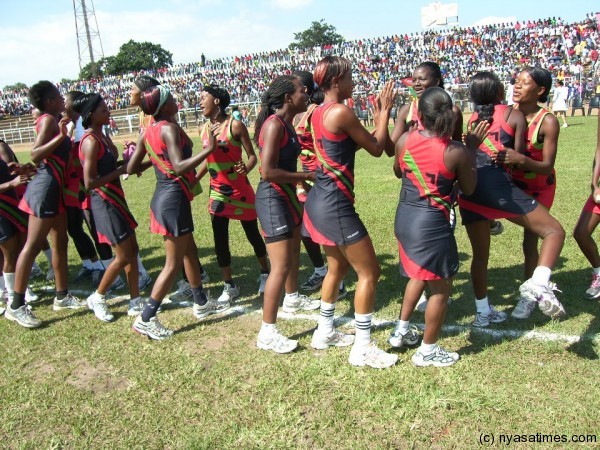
{"x":9,"y":279}
{"x":541,"y":275}
{"x":101,"y":296}
{"x":141,"y":268}
{"x":596,"y":270}
{"x":321,"y":270}
{"x":106,"y":262}
{"x":292,"y":296}
{"x":363,"y":329}
{"x":87,"y":264}
{"x":97,"y":265}
{"x":2,"y":285}
{"x":427,"y":348}
{"x":48,"y":254}
{"x":403,"y":326}
{"x":483,"y":305}
{"x":326,"y":317}
{"x":268,"y":328}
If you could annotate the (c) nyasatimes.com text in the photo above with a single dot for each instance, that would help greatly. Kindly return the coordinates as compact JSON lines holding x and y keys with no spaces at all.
{"x":489,"y":439}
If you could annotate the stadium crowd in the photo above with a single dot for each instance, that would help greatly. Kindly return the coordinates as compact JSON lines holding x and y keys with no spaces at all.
{"x":568,"y":50}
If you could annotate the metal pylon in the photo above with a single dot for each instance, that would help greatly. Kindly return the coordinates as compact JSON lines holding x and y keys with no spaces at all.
{"x":89,"y":44}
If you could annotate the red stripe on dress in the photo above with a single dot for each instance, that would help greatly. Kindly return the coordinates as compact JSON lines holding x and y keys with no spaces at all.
{"x":156,"y":227}
{"x":412,"y":269}
{"x":314,"y":233}
{"x":485,"y":211}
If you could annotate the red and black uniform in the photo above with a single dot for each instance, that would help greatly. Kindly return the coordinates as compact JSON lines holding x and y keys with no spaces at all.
{"x":329,"y":214}
{"x":113,"y":219}
{"x":413,"y":116}
{"x":308,"y":159}
{"x":277,"y":205}
{"x":496,"y":196}
{"x":231,"y":195}
{"x":12,"y":219}
{"x":426,"y":240}
{"x":539,"y":186}
{"x":170,"y":210}
{"x":44,"y":196}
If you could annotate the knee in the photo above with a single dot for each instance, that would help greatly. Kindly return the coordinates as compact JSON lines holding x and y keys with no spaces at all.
{"x":370,"y":275}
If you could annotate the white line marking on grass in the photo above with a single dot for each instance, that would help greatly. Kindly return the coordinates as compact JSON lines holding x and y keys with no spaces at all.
{"x":383,"y":323}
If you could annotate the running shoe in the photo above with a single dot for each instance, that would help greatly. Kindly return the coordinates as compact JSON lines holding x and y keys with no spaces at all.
{"x":30,"y":296}
{"x":371,"y":356}
{"x":35,"y":271}
{"x":50,"y":274}
{"x":594,"y":289}
{"x":117,"y":285}
{"x":300,"y":302}
{"x":423,"y":301}
{"x":439,"y":357}
{"x":144,"y":281}
{"x":204,"y":276}
{"x":3,"y":301}
{"x":136,"y":307}
{"x":409,"y":339}
{"x":183,"y":296}
{"x":524,"y":308}
{"x":83,"y":273}
{"x":98,"y":305}
{"x":491,"y":316}
{"x":69,"y":302}
{"x":545,"y":298}
{"x":97,"y":275}
{"x":496,"y":227}
{"x":314,"y":282}
{"x":229,"y":293}
{"x":153,"y":328}
{"x":262,"y":281}
{"x":275,"y":341}
{"x":23,"y":316}
{"x":209,"y":308}
{"x":336,"y":338}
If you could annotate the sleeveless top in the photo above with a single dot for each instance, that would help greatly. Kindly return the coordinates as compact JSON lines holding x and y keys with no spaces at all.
{"x":231,"y":194}
{"x":335,"y":158}
{"x":9,"y":200}
{"x":534,"y":150}
{"x":305,"y":136}
{"x":500,"y":135}
{"x":426,"y":181}
{"x":157,"y":151}
{"x":55,"y":164}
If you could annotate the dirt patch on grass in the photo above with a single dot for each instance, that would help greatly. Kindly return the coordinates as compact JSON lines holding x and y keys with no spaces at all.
{"x":41,"y":370}
{"x":98,"y":379}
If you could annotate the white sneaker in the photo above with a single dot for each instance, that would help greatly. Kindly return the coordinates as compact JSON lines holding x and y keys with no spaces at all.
{"x":262,"y":281}
{"x":136,"y":307}
{"x":423,"y":301}
{"x":371,"y":356}
{"x":300,"y":302}
{"x":50,"y":274}
{"x":153,"y":328}
{"x":69,"y":302}
{"x":183,"y":296}
{"x":144,"y":282}
{"x":30,"y":296}
{"x":565,"y":125}
{"x":3,"y":297}
{"x":100,"y":308}
{"x":229,"y":293}
{"x":492,"y":316}
{"x":439,"y":357}
{"x":496,"y":227}
{"x":209,"y":308}
{"x":23,"y":316}
{"x":545,"y":298}
{"x":276,"y":342}
{"x":523,"y":309}
{"x":410,"y":339}
{"x":336,"y":338}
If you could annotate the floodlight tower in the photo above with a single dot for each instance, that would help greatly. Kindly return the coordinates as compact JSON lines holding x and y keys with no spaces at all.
{"x":89,"y":44}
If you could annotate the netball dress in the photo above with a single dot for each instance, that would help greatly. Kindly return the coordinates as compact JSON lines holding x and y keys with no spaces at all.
{"x":329,"y":214}
{"x":425,"y":238}
{"x":12,"y":219}
{"x":277,"y":205}
{"x":496,"y":196}
{"x":44,"y":196}
{"x":231,"y":194}
{"x":113,"y":219}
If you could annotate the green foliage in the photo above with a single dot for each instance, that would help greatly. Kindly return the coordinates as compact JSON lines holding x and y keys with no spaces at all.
{"x":319,"y":33}
{"x":15,"y":87}
{"x":132,"y":57}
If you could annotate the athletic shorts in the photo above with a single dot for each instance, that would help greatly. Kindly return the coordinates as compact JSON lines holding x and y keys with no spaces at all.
{"x":170,"y":212}
{"x":495,"y":197}
{"x":113,"y":226}
{"x":7,"y":229}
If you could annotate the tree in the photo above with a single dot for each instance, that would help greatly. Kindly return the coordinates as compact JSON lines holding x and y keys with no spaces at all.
{"x":319,"y":34}
{"x":15,"y":87}
{"x":132,"y":57}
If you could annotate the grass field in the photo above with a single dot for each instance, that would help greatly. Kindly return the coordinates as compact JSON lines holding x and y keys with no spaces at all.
{"x":80,"y":383}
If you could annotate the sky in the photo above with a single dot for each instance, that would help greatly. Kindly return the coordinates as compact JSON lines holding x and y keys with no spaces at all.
{"x":39,"y":39}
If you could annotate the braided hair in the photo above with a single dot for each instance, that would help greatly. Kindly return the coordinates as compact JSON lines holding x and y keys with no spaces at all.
{"x":315,"y":94}
{"x":486,"y":89}
{"x":273,"y":99}
{"x":85,"y":105}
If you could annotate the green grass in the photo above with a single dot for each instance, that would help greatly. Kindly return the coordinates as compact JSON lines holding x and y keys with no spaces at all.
{"x":80,"y":383}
